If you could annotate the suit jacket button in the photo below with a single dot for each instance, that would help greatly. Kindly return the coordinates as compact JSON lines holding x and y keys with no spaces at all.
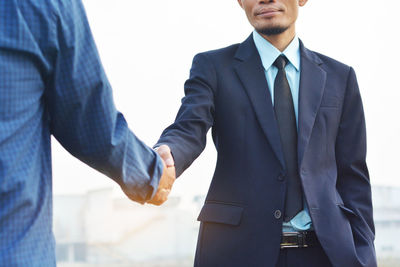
{"x":278,"y":214}
{"x":281,"y":177}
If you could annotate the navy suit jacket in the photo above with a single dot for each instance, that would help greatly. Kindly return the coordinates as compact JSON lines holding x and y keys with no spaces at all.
{"x":227,"y":91}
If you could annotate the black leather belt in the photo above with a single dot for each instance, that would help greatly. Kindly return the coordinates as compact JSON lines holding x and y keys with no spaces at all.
{"x":299,"y":239}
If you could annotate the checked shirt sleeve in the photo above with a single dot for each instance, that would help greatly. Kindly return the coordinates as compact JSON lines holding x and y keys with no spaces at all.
{"x":82,"y":114}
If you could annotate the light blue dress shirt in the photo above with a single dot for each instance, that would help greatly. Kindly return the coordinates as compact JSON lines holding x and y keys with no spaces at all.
{"x":268,"y":54}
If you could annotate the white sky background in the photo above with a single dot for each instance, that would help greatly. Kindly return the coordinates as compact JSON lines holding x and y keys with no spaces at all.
{"x":147,"y":48}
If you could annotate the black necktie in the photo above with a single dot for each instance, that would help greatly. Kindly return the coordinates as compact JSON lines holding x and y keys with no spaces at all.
{"x":285,"y":116}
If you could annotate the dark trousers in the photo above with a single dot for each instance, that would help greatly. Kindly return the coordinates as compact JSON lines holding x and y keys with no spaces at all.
{"x":303,"y":257}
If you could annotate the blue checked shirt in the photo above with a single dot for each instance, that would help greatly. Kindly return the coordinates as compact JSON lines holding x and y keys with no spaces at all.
{"x":52,"y":83}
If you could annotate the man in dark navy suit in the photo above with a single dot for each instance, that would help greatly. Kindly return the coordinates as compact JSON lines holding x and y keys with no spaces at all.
{"x":291,"y":185}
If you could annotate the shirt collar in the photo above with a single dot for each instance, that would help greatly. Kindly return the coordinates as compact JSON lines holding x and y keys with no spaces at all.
{"x":270,"y":53}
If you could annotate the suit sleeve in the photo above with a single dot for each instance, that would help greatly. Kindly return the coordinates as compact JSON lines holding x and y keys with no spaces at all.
{"x":353,"y":182}
{"x":187,"y":135}
{"x":82,"y":114}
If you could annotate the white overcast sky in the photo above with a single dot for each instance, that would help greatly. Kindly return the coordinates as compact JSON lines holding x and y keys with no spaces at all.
{"x":147,"y":47}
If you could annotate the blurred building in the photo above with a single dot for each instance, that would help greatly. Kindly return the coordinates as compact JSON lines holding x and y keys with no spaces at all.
{"x":97,"y":229}
{"x":387,"y":222}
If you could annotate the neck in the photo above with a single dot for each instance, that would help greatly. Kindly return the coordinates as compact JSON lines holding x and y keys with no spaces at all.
{"x":282,"y":40}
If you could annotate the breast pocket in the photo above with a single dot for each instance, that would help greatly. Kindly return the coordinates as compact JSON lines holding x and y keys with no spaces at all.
{"x":330,"y":101}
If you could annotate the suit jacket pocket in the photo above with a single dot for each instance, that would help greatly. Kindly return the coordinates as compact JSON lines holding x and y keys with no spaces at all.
{"x":221,"y":213}
{"x":329,"y":101}
{"x":346,"y":210}
{"x":358,"y":227}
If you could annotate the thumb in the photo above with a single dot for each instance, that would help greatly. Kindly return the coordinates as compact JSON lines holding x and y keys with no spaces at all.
{"x":165,"y":153}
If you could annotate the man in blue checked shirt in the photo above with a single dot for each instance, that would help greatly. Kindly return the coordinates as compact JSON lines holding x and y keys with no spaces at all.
{"x":52,"y":83}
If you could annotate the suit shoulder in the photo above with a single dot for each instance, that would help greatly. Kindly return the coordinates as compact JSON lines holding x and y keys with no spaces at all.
{"x":333,"y":61}
{"x":333,"y":64}
{"x":221,"y":53}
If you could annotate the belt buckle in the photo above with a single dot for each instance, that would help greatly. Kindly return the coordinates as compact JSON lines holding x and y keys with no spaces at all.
{"x":300,"y":240}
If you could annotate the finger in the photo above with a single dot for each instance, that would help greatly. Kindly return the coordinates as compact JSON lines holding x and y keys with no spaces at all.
{"x":155,"y":201}
{"x":160,"y":197}
{"x":168,"y":178}
{"x":165,"y":153}
{"x":171,"y":177}
{"x":163,"y":195}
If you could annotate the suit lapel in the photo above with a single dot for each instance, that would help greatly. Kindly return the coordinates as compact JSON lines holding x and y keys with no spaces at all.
{"x":312,"y":85}
{"x":251,"y":74}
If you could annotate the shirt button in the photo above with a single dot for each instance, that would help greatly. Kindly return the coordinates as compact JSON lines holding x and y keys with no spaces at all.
{"x":278,"y":214}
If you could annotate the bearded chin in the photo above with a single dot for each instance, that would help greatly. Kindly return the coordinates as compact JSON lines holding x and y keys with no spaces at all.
{"x":272,"y":30}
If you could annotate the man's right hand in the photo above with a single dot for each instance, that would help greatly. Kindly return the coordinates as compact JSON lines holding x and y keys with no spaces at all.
{"x":167,"y":178}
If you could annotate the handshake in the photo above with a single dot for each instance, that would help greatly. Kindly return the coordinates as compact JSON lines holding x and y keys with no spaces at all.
{"x":167,"y":178}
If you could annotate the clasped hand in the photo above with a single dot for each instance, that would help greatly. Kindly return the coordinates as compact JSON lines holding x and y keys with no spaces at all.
{"x":167,"y":178}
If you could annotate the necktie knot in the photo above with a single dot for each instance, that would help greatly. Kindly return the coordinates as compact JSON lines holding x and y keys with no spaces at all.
{"x":281,"y":62}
